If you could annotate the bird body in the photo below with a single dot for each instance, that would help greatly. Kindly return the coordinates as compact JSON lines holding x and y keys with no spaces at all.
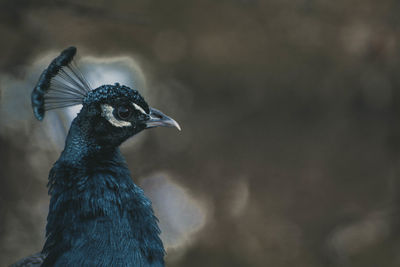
{"x":97,"y":215}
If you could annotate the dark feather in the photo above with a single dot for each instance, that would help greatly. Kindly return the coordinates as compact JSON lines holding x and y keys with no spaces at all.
{"x":60,"y":85}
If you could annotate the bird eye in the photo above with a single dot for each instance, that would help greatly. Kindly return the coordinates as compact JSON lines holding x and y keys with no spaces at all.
{"x":124,"y":112}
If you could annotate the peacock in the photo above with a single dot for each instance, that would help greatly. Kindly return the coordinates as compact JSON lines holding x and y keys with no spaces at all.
{"x":97,"y":215}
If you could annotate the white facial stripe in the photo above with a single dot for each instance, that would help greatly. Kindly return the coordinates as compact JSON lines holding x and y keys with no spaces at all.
{"x":139,"y":108}
{"x":107,"y":113}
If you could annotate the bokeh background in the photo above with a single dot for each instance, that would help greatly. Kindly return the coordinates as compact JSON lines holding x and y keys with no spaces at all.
{"x":289,"y":153}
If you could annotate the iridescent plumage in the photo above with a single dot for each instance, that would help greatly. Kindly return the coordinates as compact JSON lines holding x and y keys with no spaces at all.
{"x":97,"y":215}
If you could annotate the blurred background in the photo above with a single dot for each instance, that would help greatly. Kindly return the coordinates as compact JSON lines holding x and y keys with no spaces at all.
{"x":290,"y":144}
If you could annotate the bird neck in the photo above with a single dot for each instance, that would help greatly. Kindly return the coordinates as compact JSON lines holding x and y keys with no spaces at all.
{"x":82,"y":147}
{"x":97,"y":215}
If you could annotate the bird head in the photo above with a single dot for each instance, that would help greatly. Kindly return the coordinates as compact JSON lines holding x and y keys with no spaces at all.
{"x":117,"y":112}
{"x":110,"y":113}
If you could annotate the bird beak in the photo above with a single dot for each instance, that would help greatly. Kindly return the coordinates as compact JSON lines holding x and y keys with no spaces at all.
{"x":157,"y":118}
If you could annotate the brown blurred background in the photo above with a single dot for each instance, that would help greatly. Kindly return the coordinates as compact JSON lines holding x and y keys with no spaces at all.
{"x":290,"y":145}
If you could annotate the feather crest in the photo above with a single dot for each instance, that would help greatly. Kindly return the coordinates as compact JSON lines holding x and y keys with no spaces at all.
{"x":60,"y":85}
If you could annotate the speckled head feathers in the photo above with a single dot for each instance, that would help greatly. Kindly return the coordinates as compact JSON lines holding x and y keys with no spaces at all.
{"x":114,"y":94}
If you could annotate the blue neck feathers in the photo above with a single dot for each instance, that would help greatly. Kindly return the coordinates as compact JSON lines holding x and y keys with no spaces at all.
{"x":97,"y":215}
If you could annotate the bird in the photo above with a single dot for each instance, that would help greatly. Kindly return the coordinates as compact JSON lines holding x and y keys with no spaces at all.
{"x":97,"y":215}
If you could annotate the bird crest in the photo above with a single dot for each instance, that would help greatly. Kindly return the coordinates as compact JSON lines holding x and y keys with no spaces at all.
{"x":62,"y":84}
